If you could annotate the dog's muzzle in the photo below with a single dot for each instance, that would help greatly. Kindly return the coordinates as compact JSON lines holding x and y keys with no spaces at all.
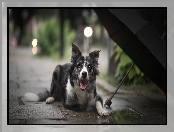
{"x":83,"y":81}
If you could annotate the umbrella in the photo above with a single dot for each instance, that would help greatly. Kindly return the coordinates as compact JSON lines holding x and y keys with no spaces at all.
{"x":137,"y":39}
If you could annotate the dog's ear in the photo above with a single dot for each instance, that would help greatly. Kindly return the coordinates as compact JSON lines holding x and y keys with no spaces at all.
{"x":76,"y":53}
{"x":95,"y":55}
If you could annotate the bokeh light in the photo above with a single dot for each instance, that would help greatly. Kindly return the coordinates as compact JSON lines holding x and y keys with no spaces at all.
{"x":34,"y":42}
{"x":88,"y":31}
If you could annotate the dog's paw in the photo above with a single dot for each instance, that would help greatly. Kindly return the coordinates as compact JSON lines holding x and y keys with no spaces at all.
{"x":103,"y":112}
{"x":100,"y":110}
{"x":49,"y":100}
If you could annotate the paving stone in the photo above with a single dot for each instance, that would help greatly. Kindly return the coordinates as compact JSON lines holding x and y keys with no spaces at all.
{"x":17,"y":121}
{"x":46,"y":121}
{"x":34,"y":111}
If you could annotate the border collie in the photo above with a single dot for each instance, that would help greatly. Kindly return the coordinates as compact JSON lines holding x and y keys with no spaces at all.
{"x":74,"y":83}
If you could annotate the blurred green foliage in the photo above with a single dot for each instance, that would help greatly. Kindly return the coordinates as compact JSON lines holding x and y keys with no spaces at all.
{"x":48,"y":37}
{"x":135,"y":76}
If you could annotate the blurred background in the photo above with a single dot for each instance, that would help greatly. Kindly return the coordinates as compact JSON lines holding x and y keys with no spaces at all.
{"x":56,"y":29}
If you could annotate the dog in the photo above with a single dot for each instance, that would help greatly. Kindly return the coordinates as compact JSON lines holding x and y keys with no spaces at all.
{"x":74,"y":83}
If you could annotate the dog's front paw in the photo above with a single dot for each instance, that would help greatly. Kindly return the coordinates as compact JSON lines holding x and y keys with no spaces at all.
{"x":49,"y":100}
{"x":103,"y":112}
{"x":100,"y":110}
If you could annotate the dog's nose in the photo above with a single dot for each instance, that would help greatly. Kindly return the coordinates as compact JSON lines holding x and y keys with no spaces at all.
{"x":84,"y":74}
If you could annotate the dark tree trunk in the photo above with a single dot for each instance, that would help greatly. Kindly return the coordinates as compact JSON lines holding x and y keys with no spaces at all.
{"x":22,"y":32}
{"x":61,"y":33}
{"x":101,"y":34}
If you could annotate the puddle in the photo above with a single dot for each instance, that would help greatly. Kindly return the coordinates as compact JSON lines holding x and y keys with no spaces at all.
{"x":126,"y":116}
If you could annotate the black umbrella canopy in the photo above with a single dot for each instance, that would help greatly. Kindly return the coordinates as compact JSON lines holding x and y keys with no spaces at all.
{"x":137,"y":38}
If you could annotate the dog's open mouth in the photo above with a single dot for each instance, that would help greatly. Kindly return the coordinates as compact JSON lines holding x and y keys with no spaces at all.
{"x":82,"y":84}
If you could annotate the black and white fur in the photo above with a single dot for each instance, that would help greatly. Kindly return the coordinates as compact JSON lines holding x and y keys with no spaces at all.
{"x":74,"y":83}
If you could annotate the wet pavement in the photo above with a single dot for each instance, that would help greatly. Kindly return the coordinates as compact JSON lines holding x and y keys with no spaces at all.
{"x":31,"y":74}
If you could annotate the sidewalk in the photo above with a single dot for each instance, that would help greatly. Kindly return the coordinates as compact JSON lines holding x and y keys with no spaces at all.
{"x":30,"y":74}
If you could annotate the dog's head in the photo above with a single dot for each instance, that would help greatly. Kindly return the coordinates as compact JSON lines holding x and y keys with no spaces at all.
{"x":83,"y":69}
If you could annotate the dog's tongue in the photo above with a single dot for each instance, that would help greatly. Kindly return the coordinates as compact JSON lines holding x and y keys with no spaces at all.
{"x":83,"y":85}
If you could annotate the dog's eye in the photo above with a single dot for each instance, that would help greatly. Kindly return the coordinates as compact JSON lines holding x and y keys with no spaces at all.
{"x":79,"y":65}
{"x":89,"y":66}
